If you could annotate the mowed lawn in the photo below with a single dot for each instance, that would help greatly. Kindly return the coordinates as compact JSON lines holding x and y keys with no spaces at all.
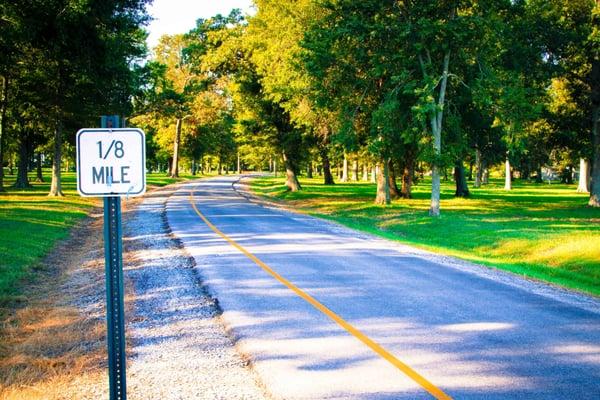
{"x":31,"y":223}
{"x":542,"y":231}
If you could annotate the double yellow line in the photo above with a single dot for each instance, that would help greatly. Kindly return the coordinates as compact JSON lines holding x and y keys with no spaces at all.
{"x":377,"y":348}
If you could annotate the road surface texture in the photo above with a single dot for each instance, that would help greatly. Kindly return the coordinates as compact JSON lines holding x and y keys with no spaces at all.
{"x":325,"y":312}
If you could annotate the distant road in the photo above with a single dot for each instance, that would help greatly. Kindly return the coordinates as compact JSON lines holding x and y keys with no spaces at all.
{"x":325,"y":312}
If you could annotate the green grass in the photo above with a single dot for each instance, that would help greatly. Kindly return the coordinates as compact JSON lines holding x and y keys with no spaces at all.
{"x":540,"y":231}
{"x":31,"y":223}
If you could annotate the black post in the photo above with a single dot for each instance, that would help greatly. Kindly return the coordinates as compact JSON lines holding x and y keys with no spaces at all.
{"x":115,"y":314}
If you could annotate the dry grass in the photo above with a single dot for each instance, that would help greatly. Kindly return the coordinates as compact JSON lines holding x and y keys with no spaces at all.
{"x":50,"y":348}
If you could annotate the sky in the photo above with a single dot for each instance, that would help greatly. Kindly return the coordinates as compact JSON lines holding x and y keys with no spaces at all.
{"x":179,"y":16}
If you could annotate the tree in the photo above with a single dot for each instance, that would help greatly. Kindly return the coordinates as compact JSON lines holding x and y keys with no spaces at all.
{"x":9,"y":29}
{"x":274,"y":35}
{"x":186,"y":96}
{"x":67,"y":63}
{"x":349,"y":57}
{"x":176,"y":90}
{"x":374,"y":60}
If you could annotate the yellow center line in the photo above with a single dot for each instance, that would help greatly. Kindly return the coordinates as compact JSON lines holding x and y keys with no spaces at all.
{"x":377,"y":348}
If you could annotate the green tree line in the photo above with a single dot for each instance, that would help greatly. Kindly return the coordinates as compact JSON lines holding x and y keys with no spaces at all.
{"x":63,"y":63}
{"x":386,"y":90}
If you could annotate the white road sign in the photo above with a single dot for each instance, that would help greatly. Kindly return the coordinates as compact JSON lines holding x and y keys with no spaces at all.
{"x":111,"y":162}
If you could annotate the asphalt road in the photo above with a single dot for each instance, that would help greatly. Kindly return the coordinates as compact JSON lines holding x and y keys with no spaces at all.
{"x":464,"y":330}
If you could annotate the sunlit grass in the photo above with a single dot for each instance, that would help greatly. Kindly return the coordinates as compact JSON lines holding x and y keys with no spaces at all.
{"x":537,"y":230}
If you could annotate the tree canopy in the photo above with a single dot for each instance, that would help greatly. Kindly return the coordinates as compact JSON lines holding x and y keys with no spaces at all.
{"x":403,"y":89}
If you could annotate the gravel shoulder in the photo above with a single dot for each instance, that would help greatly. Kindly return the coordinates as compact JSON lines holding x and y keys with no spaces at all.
{"x":179,"y":347}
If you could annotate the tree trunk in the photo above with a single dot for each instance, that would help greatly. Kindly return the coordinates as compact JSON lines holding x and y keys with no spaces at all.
{"x":462,"y":189}
{"x":538,"y":175}
{"x":22,"y":181}
{"x":394,"y":191}
{"x":354,"y":170}
{"x":309,"y":170}
{"x":383,"y":188}
{"x":525,"y":173}
{"x":584,"y":176}
{"x":38,"y":165}
{"x":275,"y":168}
{"x":3,"y":104}
{"x":407,"y":178}
{"x":239,"y":164}
{"x":291,"y":180}
{"x":436,"y":128}
{"x":434,"y":209}
{"x":344,"y":177}
{"x":478,"y":168}
{"x":595,"y":175}
{"x":373,"y":174}
{"x":485,"y":178}
{"x":365,"y":173}
{"x":327,"y":176}
{"x":56,"y":185}
{"x":568,"y":175}
{"x":176,"y":143}
{"x":507,"y":177}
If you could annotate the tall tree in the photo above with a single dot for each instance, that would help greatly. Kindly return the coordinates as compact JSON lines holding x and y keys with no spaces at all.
{"x":374,"y":60}
{"x":275,"y":33}
{"x":177,"y":89}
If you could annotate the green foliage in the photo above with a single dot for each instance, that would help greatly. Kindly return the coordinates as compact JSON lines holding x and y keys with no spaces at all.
{"x":424,"y":84}
{"x":65,"y":63}
{"x":187,"y":82}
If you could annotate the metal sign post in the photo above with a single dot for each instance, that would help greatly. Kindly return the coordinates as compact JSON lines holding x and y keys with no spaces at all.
{"x":115,"y":311}
{"x":115,"y":307}
{"x":111,"y":162}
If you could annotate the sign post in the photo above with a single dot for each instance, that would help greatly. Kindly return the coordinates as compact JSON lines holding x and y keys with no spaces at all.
{"x":111,"y":162}
{"x":115,"y":313}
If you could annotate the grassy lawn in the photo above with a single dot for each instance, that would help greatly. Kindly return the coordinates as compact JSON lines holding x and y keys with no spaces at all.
{"x":31,"y":223}
{"x":537,"y":230}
